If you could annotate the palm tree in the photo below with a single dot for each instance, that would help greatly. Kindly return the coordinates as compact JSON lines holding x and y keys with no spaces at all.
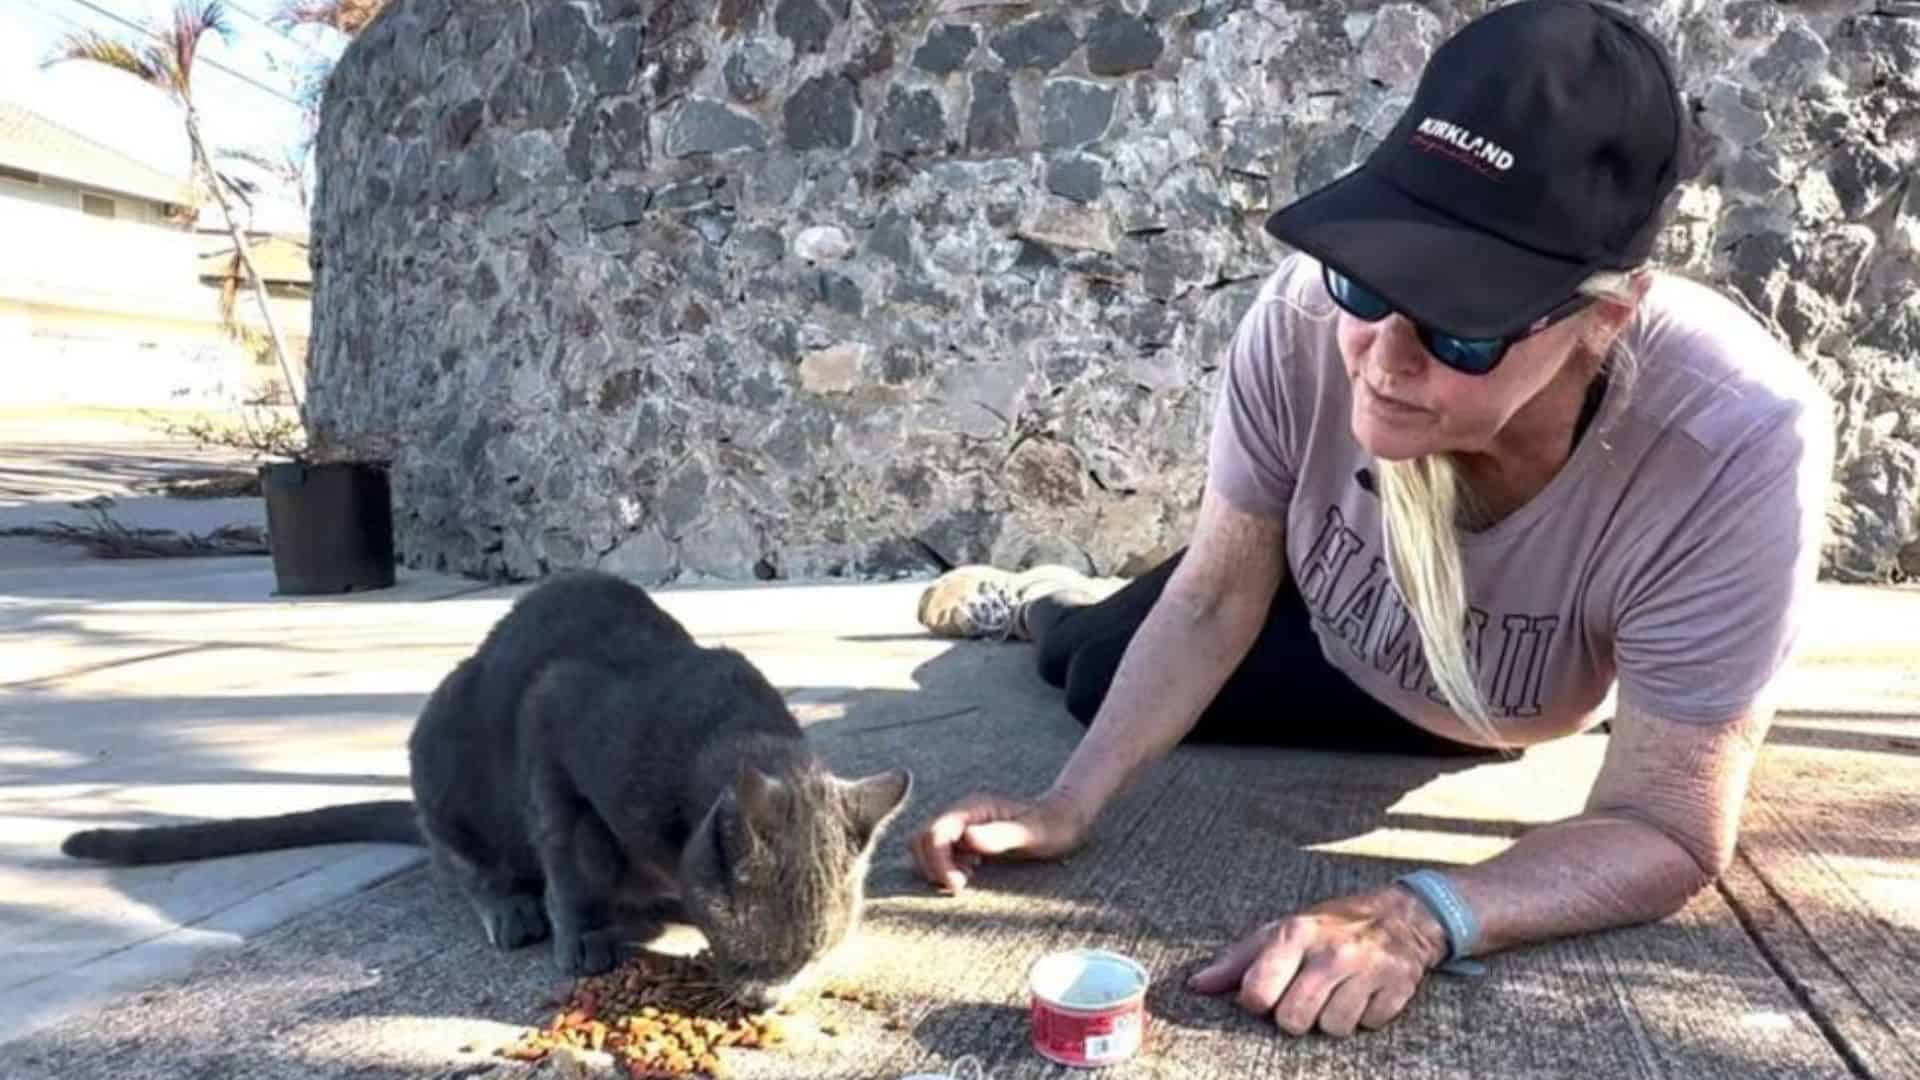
{"x":168,"y":64}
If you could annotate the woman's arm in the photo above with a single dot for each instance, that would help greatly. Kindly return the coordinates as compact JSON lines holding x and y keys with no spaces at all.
{"x":1205,"y":620}
{"x":1707,"y":620}
{"x":1659,"y":826}
{"x":1197,"y":632}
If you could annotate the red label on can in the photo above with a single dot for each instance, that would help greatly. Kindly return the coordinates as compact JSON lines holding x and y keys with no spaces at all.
{"x":1087,"y":1038}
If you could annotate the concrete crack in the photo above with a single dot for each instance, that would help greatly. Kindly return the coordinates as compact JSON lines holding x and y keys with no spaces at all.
{"x":1802,"y":993}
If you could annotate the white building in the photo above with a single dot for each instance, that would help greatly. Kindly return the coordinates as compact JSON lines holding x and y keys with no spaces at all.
{"x":108,"y":297}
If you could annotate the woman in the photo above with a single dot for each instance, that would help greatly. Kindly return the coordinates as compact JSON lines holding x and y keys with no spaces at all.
{"x":1465,"y":403}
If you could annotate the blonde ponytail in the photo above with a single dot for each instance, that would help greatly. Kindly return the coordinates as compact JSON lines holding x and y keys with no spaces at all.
{"x":1420,"y":502}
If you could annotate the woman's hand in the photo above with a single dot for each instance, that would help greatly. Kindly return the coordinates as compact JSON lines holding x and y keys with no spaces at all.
{"x":951,"y":846}
{"x":1351,"y":962}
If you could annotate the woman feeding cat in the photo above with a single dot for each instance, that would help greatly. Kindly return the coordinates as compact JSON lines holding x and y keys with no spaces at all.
{"x":1466,"y":401}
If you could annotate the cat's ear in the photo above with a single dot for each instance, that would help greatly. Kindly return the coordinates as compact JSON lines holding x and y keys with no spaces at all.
{"x":758,"y":795}
{"x":872,"y":800}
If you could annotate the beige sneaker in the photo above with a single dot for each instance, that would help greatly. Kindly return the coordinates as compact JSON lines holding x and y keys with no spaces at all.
{"x":987,"y":602}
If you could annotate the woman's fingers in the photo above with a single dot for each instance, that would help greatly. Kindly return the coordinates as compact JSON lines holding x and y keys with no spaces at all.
{"x":1348,"y":1003}
{"x":1339,"y":966}
{"x":1227,"y":969}
{"x":1388,"y":1002}
{"x":1271,"y":976}
{"x":950,"y":848}
{"x":933,"y":849}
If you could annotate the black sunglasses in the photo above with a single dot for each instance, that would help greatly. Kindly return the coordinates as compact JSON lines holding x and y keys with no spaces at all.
{"x":1474,"y":356}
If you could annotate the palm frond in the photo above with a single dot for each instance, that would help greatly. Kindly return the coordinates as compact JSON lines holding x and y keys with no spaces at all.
{"x":168,"y":63}
{"x":243,"y":190}
{"x":190,"y":23}
{"x":259,"y":159}
{"x":98,"y":48}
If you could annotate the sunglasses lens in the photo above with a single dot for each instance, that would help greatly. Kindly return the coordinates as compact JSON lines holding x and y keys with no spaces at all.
{"x":1472,"y":355}
{"x":1361,"y":302}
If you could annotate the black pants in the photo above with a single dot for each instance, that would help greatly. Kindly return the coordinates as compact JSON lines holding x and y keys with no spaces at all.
{"x":1283,"y":693}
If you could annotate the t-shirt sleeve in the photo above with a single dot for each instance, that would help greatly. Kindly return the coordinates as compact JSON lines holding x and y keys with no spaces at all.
{"x":1249,"y":458}
{"x":1717,"y":608}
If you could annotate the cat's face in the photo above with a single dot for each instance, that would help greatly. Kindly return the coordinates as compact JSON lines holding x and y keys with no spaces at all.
{"x":775,"y":873}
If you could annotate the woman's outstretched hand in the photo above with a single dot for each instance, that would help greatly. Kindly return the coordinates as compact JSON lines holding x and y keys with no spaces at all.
{"x":980,"y":826}
{"x":1348,"y":963}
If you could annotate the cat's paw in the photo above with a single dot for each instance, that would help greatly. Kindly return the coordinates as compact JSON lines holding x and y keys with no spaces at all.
{"x":587,"y":953}
{"x":514,"y":921}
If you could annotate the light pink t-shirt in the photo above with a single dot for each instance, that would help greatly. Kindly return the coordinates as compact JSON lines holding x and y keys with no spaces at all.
{"x":1673,"y":551}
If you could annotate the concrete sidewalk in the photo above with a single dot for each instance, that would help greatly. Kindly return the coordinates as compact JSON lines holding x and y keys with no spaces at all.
{"x":57,"y":455}
{"x":51,"y":459}
{"x":174,"y":690}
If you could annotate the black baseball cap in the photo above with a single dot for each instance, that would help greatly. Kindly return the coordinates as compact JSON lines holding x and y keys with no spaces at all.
{"x":1541,"y":145}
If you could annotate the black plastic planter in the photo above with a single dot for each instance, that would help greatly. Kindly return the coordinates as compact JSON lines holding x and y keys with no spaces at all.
{"x":330,"y":526}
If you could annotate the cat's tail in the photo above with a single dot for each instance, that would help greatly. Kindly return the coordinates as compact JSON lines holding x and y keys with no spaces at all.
{"x":389,"y":822}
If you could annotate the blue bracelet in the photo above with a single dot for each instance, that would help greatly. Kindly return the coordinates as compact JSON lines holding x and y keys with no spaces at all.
{"x":1459,"y":921}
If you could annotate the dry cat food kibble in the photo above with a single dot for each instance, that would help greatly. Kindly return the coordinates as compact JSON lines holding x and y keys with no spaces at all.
{"x":871,"y":1001}
{"x":658,"y":1016}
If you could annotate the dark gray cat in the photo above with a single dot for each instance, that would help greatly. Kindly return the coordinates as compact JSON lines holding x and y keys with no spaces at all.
{"x":591,"y":769}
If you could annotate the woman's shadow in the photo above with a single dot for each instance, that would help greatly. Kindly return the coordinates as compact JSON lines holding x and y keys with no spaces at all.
{"x":981,"y":719}
{"x":1204,"y":846}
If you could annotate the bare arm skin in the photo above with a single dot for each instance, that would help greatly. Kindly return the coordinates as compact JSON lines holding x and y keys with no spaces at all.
{"x":1659,"y":826}
{"x":1198,"y":631}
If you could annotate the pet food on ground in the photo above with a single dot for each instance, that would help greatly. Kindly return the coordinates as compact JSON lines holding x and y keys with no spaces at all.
{"x":658,"y":1016}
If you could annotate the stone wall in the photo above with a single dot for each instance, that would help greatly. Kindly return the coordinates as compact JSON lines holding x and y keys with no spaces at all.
{"x":798,"y":288}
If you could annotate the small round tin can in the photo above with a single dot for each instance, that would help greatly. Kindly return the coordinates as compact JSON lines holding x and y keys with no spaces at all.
{"x":1088,"y":1007}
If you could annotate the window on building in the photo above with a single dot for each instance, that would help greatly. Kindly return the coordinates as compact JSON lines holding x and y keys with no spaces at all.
{"x":25,"y":176}
{"x":98,"y":205}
